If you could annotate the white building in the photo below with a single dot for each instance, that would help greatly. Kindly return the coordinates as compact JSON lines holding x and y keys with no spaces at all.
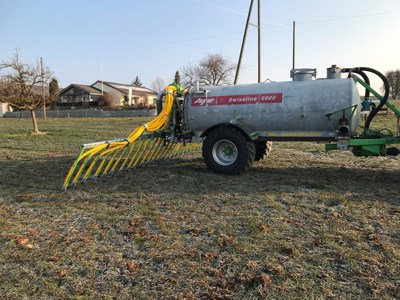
{"x":127,"y":94}
{"x":4,"y":108}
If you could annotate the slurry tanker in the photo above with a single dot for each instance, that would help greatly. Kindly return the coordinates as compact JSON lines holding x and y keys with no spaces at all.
{"x":235,"y":125}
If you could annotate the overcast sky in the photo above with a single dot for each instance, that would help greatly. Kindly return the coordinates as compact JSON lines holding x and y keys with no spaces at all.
{"x":78,"y":39}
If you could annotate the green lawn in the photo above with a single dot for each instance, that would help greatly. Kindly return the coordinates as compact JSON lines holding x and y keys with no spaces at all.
{"x":302,"y":224}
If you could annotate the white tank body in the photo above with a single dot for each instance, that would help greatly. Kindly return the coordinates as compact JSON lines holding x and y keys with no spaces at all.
{"x":277,"y":110}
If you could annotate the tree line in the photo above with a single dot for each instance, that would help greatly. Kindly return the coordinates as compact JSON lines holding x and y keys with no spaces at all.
{"x":393,"y":78}
{"x":22,"y":85}
{"x":26,"y":87}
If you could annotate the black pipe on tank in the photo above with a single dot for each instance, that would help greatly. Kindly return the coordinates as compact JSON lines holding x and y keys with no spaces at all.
{"x":385,"y":96}
{"x":385,"y":84}
{"x":363,"y":75}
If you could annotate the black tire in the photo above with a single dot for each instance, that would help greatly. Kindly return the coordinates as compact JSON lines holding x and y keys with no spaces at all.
{"x":227,"y":150}
{"x":262,"y":150}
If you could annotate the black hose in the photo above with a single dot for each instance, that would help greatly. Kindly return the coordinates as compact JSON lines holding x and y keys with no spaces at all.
{"x":363,"y":75}
{"x":360,"y":70}
{"x":385,"y":96}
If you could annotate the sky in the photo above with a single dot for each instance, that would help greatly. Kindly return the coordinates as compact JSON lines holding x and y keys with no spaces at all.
{"x":83,"y":41}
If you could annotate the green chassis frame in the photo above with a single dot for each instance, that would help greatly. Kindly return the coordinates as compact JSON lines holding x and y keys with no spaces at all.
{"x":370,"y":142}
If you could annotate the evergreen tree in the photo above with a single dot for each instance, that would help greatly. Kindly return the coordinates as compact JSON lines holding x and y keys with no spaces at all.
{"x":54,"y":91}
{"x":137,"y":81}
{"x":177,"y":78}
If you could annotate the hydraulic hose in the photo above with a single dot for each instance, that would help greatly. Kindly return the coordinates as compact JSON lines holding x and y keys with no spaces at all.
{"x":385,"y":96}
{"x":160,"y":96}
{"x":159,"y":122}
{"x":97,"y":159}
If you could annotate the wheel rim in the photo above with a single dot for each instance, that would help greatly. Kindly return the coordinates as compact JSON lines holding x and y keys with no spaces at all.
{"x":224,"y":152}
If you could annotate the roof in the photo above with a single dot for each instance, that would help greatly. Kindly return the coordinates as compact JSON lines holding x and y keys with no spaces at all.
{"x":87,"y":88}
{"x":124,"y":88}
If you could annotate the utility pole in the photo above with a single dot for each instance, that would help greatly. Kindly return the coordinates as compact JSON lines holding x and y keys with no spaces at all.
{"x":259,"y":41}
{"x":102,"y":80}
{"x":43,"y":94}
{"x":243,"y":42}
{"x":294,"y":46}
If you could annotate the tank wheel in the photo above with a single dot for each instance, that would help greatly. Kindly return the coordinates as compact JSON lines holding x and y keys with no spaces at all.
{"x":228,"y":151}
{"x":262,"y":150}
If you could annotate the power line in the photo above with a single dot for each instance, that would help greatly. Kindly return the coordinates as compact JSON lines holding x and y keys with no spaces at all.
{"x":336,"y":19}
{"x":352,"y":17}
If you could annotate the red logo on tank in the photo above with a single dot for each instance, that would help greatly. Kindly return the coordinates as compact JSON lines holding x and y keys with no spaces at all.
{"x":199,"y":101}
{"x":238,"y":99}
{"x":270,"y":98}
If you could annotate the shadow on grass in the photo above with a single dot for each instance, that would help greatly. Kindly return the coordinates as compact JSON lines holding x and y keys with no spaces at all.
{"x":191,"y":177}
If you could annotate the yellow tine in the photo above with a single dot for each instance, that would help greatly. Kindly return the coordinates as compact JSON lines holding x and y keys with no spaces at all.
{"x":81,"y":168}
{"x":170,"y":150}
{"x":89,"y":170}
{"x":167,"y":147}
{"x":100,"y":167}
{"x":132,"y":146}
{"x":158,"y":148}
{"x":137,"y":153}
{"x":72,"y":169}
{"x":119,"y":159}
{"x":146,"y":142}
{"x":144,"y":160}
{"x":110,"y":163}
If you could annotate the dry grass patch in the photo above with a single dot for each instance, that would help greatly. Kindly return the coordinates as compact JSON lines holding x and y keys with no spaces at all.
{"x":301,"y":224}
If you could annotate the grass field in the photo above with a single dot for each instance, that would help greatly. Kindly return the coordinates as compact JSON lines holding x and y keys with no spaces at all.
{"x":302,"y":224}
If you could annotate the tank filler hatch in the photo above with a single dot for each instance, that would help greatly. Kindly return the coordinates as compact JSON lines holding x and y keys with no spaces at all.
{"x":303,"y":74}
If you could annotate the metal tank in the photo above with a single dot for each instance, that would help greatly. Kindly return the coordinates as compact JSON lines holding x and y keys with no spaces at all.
{"x":302,"y":109}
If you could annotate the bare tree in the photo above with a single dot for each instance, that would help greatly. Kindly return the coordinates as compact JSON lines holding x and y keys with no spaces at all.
{"x":110,"y":100}
{"x":158,"y":84}
{"x":394,"y":83}
{"x":211,"y":70}
{"x":20,"y":86}
{"x":189,"y":74}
